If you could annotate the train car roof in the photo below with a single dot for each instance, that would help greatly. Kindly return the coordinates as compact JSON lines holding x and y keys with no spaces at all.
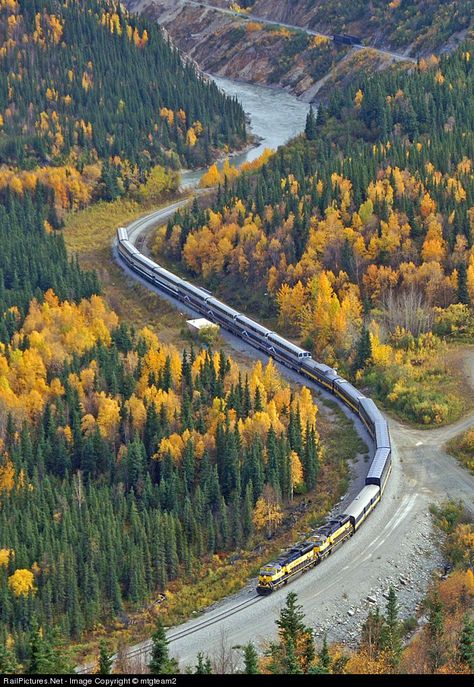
{"x":153,"y":265}
{"x":248,"y":321}
{"x":382,"y":435}
{"x":348,"y":388}
{"x":130,"y":247}
{"x":194,"y":289}
{"x":378,"y":464}
{"x":362,"y":500}
{"x":122,"y":234}
{"x":222,"y":306}
{"x":325,"y":370}
{"x":172,"y":277}
{"x":371,"y":409}
{"x":284,"y":342}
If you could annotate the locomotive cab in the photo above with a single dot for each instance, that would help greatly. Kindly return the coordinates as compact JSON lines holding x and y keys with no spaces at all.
{"x":321,"y":544}
{"x":269,"y":576}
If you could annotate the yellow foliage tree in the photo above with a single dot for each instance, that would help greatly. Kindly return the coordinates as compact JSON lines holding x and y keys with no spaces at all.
{"x":267,"y":513}
{"x":359,"y":96}
{"x":7,"y":474}
{"x":108,"y":418}
{"x":211,"y":177}
{"x":296,"y":470}
{"x":21,"y":582}
{"x":5,"y":555}
{"x":290,"y":304}
{"x":362,"y":663}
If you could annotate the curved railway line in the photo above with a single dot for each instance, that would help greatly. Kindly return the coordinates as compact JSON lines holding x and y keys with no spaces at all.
{"x":321,"y":544}
{"x":339,"y":529}
{"x":398,"y":538}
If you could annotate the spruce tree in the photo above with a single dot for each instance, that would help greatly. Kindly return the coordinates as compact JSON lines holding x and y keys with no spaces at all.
{"x":390,"y":638}
{"x":203,"y":666}
{"x":106,"y":660}
{"x":290,"y":622}
{"x":8,"y":664}
{"x":310,"y":127}
{"x":324,"y":657}
{"x":463,"y":292}
{"x":47,"y":653}
{"x":160,"y":659}
{"x":38,"y":660}
{"x":466,"y":644}
{"x":250,"y":660}
{"x":436,"y":631}
{"x":291,"y":664}
{"x":364,"y":350}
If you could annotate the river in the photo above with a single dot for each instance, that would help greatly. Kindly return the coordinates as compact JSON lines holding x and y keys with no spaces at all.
{"x":275,"y":118}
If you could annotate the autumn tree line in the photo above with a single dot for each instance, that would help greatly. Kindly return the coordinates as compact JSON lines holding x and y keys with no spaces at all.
{"x":88,"y":81}
{"x":358,"y":236}
{"x":33,"y":260}
{"x":114,"y":100}
{"x":124,"y":463}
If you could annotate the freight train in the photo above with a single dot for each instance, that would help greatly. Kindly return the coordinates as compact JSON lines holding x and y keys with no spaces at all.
{"x":324,"y":540}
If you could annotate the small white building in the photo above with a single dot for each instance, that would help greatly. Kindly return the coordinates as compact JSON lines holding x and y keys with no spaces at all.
{"x":201,"y":325}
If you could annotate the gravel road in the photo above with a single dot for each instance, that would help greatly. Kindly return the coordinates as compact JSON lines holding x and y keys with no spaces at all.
{"x":395,"y":546}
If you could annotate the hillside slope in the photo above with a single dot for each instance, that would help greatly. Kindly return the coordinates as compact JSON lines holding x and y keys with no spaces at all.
{"x":241,"y":47}
{"x":421,"y":25}
{"x":367,"y":221}
{"x":85,"y":81}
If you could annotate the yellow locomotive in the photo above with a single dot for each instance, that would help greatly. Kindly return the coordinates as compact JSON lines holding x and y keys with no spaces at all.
{"x":304,"y":556}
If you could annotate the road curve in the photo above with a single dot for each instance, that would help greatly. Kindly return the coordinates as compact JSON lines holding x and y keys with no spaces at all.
{"x":395,"y":546}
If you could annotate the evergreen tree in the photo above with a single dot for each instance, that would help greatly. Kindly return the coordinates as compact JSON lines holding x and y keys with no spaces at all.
{"x":106,"y":660}
{"x":466,"y":644}
{"x":322,"y":116}
{"x":203,"y":666}
{"x":160,"y":660}
{"x":436,"y":631}
{"x":291,"y":664}
{"x":390,"y":638}
{"x":47,"y":654}
{"x":38,"y":660}
{"x":290,"y":622}
{"x":250,"y":660}
{"x":364,"y":350}
{"x":8,"y":664}
{"x":324,"y":657}
{"x":463,"y":292}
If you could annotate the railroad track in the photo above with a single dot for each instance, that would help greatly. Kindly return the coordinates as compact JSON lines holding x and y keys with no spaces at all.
{"x":398,"y":57}
{"x":145,"y":647}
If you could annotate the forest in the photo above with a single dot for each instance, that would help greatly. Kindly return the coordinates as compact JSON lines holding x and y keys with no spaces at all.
{"x":386,"y":644}
{"x":108,"y":438}
{"x":358,"y":235}
{"x":33,"y":260}
{"x":61,"y":148}
{"x":123,"y":463}
{"x":126,"y":465}
{"x":112,"y":88}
